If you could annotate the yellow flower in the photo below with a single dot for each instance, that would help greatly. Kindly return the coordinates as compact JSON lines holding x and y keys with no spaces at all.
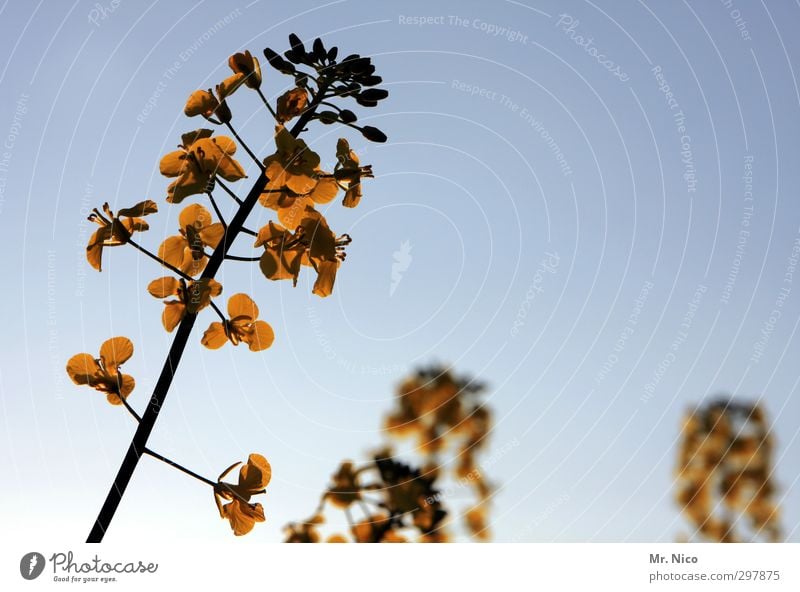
{"x":200,"y":158}
{"x":242,"y":325}
{"x":192,"y":297}
{"x":253,"y":479}
{"x":350,"y":172}
{"x":247,"y":65}
{"x":313,"y":244}
{"x":103,"y":373}
{"x":116,"y":230}
{"x":229,"y":86}
{"x":291,"y":104}
{"x":293,"y":166}
{"x":186,"y":250}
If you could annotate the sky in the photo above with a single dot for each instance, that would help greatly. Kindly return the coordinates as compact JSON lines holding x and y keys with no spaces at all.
{"x":596,"y":203}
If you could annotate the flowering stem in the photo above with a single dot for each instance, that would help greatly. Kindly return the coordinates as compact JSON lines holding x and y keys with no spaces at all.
{"x":180,"y":467}
{"x":228,"y":190}
{"x":139,"y":442}
{"x":247,"y":149}
{"x":237,"y":258}
{"x":218,"y":311}
{"x":130,"y":409}
{"x":160,"y":260}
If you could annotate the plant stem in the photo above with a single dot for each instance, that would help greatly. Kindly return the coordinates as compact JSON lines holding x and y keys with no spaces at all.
{"x":246,"y":147}
{"x":139,"y":442}
{"x":228,"y":190}
{"x":216,"y":209}
{"x":266,"y":103}
{"x":237,"y":258}
{"x":160,"y":260}
{"x":180,"y":467}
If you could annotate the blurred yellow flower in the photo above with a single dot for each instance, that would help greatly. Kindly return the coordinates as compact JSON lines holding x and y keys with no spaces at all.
{"x":192,"y":297}
{"x":186,"y":250}
{"x":199,"y":159}
{"x":241,"y":325}
{"x":116,"y":230}
{"x":253,"y":479}
{"x":103,"y":373}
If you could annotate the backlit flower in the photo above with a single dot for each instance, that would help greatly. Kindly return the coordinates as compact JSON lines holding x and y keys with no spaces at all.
{"x":103,"y":373}
{"x":192,"y":297}
{"x":349,"y":171}
{"x":247,"y":65}
{"x":199,"y":159}
{"x":293,"y":166}
{"x":291,"y":104}
{"x":116,"y":230}
{"x":253,"y":479}
{"x":197,"y":231}
{"x":313,"y":244}
{"x":242,"y":324}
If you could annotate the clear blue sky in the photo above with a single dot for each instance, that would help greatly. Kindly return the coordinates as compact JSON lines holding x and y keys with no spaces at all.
{"x":551,"y":141}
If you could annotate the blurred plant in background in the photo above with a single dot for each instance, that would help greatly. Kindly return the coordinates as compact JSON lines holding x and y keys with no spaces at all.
{"x":389,"y":500}
{"x":724,"y":477}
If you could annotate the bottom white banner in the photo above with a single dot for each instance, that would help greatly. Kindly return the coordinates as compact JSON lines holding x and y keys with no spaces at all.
{"x":595,"y":566}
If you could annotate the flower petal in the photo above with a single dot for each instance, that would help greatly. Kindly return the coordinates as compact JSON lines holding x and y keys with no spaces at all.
{"x":172,"y":250}
{"x":172,"y":164}
{"x":256,"y":474}
{"x":163,"y":287}
{"x":114,"y":352}
{"x":214,"y":337}
{"x":261,"y":336}
{"x":212,"y":234}
{"x":143,"y":208}
{"x":83,"y":369}
{"x":241,"y":305}
{"x":326,"y":276}
{"x":325,"y":190}
{"x":194,"y":215}
{"x":174,"y":312}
